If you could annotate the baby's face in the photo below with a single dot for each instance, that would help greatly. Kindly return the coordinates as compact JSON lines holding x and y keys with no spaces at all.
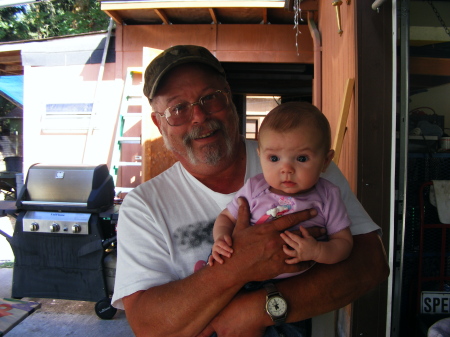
{"x":292,"y":161}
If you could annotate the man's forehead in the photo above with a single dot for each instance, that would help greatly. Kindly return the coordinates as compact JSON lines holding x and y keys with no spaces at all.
{"x":170,"y":97}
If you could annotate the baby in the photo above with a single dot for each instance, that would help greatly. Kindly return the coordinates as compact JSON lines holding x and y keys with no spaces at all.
{"x":294,"y":146}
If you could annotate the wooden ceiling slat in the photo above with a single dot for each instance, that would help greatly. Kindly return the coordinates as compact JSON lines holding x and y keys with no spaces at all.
{"x":123,"y":5}
{"x":115,"y":16}
{"x":264,"y":15}
{"x":11,"y":63}
{"x":163,"y":16}
{"x":212,"y":12}
{"x":11,"y":69}
{"x":10,"y":59}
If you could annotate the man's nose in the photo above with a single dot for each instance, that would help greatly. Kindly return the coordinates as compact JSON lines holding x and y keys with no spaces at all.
{"x":199,"y":114}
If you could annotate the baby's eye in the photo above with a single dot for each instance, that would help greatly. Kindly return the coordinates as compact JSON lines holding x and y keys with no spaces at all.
{"x":302,"y":159}
{"x":273,"y":158}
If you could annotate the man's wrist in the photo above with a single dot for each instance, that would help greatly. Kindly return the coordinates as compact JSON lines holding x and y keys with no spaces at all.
{"x":276,"y":305}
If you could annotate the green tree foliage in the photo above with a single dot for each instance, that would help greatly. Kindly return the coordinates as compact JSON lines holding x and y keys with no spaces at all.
{"x":51,"y":18}
{"x":11,"y":28}
{"x":5,"y":106}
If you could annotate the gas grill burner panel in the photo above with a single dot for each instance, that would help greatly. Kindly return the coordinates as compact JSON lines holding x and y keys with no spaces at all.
{"x":56,"y":222}
{"x":75,"y":188}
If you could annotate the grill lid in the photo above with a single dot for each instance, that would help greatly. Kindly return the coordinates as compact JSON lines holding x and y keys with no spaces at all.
{"x":67,"y":188}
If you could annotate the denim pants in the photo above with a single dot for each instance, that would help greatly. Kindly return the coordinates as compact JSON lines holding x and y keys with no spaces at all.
{"x":298,"y":329}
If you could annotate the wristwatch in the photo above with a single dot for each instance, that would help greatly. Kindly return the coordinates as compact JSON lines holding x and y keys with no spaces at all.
{"x":276,"y":305}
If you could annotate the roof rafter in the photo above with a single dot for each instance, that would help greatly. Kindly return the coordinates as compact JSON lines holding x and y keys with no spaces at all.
{"x":212,"y":12}
{"x":265,"y":19}
{"x":163,"y":16}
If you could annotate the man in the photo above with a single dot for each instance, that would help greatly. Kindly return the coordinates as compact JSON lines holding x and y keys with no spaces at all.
{"x":164,"y":230}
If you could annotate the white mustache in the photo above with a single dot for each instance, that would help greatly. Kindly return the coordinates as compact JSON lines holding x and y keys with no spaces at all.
{"x":199,"y":131}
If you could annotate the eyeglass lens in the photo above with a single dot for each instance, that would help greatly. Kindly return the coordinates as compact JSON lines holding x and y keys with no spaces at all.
{"x":182,"y":112}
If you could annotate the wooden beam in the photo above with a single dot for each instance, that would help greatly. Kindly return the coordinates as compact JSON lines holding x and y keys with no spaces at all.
{"x":305,"y":5}
{"x":212,"y":12}
{"x":12,"y":67}
{"x":289,"y":5}
{"x":429,"y":66}
{"x":264,"y":14}
{"x":163,"y":16}
{"x":124,"y":5}
{"x":116,"y":17}
{"x":10,"y":59}
{"x":11,"y":70}
{"x":342,"y":122}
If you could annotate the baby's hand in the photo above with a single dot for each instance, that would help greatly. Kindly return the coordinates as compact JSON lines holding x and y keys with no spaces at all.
{"x":303,"y":248}
{"x":222,"y":247}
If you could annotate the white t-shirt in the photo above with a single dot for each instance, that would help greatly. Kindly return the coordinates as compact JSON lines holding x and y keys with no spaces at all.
{"x":165,"y":226}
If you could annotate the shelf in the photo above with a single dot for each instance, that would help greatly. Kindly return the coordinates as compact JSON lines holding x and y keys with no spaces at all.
{"x":423,"y":137}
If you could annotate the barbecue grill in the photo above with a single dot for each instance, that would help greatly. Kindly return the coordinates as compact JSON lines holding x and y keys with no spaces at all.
{"x":65,"y":229}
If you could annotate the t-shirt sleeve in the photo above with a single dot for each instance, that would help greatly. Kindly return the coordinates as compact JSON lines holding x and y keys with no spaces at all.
{"x":142,"y":253}
{"x":337,"y":217}
{"x":361,"y":223}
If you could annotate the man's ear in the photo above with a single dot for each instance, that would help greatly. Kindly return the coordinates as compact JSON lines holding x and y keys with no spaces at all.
{"x":156,"y":121}
{"x":257,"y":150}
{"x":328,"y":158}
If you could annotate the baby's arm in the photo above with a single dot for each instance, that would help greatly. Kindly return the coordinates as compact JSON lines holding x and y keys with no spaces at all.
{"x":306,"y":248}
{"x":223,"y":228}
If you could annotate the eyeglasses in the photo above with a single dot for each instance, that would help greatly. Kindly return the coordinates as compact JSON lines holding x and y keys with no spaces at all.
{"x":181,"y":113}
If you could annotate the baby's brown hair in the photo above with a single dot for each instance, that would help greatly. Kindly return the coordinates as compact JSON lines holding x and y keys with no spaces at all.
{"x":290,"y":115}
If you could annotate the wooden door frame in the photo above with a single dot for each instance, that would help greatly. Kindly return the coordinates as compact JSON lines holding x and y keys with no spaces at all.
{"x":374,"y":105}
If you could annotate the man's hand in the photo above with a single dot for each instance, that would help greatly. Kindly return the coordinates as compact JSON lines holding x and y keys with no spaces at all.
{"x":263,"y":245}
{"x":279,"y":224}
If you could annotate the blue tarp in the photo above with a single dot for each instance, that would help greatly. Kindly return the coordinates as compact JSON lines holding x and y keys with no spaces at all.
{"x":11,"y":87}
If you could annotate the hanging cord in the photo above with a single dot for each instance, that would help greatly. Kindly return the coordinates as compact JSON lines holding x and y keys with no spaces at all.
{"x":438,"y":17}
{"x":297,"y":14}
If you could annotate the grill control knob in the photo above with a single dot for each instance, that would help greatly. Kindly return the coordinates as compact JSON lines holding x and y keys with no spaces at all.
{"x":54,"y":227}
{"x":76,"y":228}
{"x":34,"y":227}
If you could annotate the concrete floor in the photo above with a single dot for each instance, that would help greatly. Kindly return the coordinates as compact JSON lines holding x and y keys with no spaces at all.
{"x":63,"y":317}
{"x":57,"y":318}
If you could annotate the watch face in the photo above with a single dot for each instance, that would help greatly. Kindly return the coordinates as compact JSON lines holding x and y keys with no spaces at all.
{"x":276,"y":306}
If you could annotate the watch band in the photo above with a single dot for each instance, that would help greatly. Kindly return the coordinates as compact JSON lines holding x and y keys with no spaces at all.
{"x":272,"y":291}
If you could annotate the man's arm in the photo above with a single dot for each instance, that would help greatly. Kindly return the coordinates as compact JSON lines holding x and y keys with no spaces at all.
{"x":185,"y":307}
{"x":321,"y":289}
{"x":181,"y":308}
{"x":328,"y":287}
